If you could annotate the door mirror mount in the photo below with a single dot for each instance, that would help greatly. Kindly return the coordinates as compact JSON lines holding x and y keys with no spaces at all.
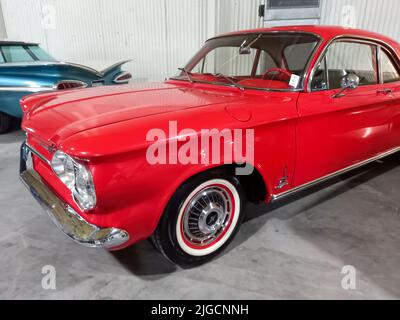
{"x":349,"y":82}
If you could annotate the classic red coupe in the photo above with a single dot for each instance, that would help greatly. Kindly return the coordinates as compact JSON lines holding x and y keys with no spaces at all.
{"x":110,"y":164}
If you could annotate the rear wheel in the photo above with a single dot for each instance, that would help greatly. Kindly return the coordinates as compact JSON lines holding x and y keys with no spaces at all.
{"x":201,"y":219}
{"x":5,"y":122}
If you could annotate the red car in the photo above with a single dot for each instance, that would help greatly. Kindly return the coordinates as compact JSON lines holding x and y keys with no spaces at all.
{"x":110,"y":164}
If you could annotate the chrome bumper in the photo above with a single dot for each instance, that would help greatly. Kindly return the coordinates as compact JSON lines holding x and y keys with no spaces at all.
{"x":65,"y":217}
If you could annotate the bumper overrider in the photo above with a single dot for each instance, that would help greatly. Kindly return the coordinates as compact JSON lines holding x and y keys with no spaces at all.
{"x":65,"y":217}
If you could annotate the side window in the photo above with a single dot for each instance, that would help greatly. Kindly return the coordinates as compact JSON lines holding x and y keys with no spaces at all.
{"x":16,"y":54}
{"x":40,"y":53}
{"x":350,"y":57}
{"x":389,"y":71}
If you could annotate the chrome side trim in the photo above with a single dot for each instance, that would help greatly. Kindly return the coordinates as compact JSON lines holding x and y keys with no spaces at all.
{"x":31,"y":63}
{"x":38,"y":154}
{"x":26,"y":89}
{"x":276,"y":197}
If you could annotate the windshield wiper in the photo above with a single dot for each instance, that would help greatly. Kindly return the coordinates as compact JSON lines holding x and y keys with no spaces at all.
{"x":187,"y":73}
{"x":221,"y":75}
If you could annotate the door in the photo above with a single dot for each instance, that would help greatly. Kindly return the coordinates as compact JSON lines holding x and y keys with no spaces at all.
{"x":391,"y":87}
{"x":334,"y":130}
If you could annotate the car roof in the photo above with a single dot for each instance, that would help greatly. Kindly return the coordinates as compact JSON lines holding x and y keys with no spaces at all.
{"x":6,"y":42}
{"x":327,"y":33}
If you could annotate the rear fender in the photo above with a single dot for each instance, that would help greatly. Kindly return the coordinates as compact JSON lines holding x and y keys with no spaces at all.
{"x":113,"y":71}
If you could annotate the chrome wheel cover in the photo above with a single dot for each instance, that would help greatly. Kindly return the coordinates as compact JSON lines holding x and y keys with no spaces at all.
{"x":207,"y":215}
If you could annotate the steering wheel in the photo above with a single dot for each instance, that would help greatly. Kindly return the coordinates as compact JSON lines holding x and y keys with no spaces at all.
{"x":278,"y":74}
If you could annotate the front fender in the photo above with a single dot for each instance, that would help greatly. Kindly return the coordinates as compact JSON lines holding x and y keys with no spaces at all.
{"x":133,"y":194}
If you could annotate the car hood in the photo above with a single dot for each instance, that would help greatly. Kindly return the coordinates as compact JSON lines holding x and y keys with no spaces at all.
{"x":55,"y":116}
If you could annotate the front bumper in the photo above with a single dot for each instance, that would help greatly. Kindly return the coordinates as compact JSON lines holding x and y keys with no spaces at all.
{"x":65,"y":217}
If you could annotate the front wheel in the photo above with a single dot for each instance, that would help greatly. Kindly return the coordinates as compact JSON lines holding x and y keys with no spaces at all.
{"x":5,"y":122}
{"x":201,"y":219}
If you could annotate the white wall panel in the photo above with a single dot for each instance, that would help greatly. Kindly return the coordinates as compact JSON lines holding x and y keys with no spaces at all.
{"x":379,"y":16}
{"x":23,"y":20}
{"x":158,"y":35}
{"x":237,"y":14}
{"x":3,"y":33}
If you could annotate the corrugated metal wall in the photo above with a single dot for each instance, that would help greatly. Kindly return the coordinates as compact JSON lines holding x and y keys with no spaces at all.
{"x":3,"y":33}
{"x":381,"y":16}
{"x":158,"y":35}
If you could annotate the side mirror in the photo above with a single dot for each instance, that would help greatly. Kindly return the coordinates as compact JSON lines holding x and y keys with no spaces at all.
{"x":349,"y":82}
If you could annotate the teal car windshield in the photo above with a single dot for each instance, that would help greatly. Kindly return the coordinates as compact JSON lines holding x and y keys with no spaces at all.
{"x":20,"y":53}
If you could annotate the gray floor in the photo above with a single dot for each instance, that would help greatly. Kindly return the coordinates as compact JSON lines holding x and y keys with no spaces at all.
{"x":295,"y":249}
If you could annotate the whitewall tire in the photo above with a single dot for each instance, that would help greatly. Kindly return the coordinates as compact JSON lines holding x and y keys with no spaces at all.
{"x":201,"y":218}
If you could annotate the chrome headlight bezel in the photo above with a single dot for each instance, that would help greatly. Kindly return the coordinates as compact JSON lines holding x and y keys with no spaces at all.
{"x":77,"y":178}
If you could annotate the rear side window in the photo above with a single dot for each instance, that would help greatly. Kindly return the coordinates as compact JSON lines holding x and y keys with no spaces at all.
{"x":343,"y":58}
{"x":16,"y":54}
{"x":389,"y":71}
{"x":40,"y":53}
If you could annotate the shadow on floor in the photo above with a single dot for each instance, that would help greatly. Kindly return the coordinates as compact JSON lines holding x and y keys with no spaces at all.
{"x":375,"y":256}
{"x":144,"y":260}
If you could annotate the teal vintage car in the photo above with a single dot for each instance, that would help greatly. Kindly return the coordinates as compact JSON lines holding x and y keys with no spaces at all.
{"x":25,"y":68}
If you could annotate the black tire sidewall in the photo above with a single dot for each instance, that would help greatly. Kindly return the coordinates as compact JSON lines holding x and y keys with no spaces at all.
{"x":5,"y":122}
{"x":166,"y":232}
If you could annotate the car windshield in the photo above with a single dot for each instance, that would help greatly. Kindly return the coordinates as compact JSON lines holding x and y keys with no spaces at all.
{"x":269,"y":61}
{"x":23,"y":53}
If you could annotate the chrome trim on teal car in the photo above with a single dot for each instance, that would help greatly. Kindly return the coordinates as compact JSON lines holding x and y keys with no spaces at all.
{"x":27,"y":89}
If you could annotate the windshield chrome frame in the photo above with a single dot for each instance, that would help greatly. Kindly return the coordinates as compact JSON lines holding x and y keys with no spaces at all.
{"x":305,"y":71}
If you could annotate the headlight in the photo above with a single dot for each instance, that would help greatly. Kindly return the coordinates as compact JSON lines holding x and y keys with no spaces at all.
{"x":77,"y":178}
{"x":63,"y":166}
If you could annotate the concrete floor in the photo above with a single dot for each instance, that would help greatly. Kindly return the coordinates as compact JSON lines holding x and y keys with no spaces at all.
{"x":293,"y":250}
